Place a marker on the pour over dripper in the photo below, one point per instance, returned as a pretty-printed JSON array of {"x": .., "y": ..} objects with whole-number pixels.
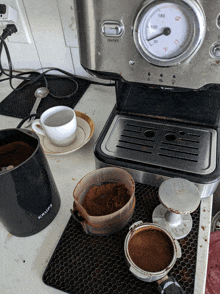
[{"x": 105, "y": 224}]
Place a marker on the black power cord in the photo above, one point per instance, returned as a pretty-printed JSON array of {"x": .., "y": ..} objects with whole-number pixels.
[
  {"x": 25, "y": 76},
  {"x": 26, "y": 118},
  {"x": 8, "y": 31}
]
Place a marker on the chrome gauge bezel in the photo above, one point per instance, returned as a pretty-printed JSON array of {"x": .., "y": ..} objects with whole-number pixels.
[{"x": 199, "y": 29}]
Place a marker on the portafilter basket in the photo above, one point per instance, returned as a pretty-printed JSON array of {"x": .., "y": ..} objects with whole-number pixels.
[{"x": 144, "y": 275}]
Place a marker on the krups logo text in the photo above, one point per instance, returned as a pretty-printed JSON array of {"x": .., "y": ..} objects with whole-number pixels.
[{"x": 45, "y": 212}]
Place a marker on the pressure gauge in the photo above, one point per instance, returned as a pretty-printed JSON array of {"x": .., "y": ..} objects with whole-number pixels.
[{"x": 168, "y": 32}]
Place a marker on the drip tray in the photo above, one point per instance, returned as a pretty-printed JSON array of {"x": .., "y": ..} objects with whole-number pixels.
[
  {"x": 174, "y": 146},
  {"x": 86, "y": 264}
]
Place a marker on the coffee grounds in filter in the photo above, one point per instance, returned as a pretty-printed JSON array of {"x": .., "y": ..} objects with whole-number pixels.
[{"x": 105, "y": 199}]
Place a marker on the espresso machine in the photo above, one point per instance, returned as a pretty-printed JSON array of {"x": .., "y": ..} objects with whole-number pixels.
[{"x": 164, "y": 56}]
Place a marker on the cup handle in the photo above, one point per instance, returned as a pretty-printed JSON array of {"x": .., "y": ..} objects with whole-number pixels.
[{"x": 36, "y": 126}]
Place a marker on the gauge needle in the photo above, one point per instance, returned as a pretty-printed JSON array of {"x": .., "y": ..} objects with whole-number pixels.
[{"x": 166, "y": 32}]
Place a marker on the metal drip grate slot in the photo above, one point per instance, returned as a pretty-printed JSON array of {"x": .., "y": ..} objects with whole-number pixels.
[
  {"x": 167, "y": 145},
  {"x": 86, "y": 264}
]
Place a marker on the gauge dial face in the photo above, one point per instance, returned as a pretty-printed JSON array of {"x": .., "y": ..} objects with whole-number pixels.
[{"x": 167, "y": 32}]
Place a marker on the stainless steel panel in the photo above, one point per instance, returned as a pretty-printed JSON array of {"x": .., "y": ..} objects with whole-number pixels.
[{"x": 120, "y": 55}]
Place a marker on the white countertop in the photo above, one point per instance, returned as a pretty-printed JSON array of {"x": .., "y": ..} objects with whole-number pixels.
[{"x": 24, "y": 260}]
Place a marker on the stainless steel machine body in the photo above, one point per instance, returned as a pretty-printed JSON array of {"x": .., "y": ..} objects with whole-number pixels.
[
  {"x": 110, "y": 41},
  {"x": 164, "y": 57}
]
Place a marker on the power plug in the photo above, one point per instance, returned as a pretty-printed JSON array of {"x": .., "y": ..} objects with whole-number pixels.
[{"x": 9, "y": 30}]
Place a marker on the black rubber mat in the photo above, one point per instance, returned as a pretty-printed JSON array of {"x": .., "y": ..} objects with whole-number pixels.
[
  {"x": 85, "y": 264},
  {"x": 19, "y": 103}
]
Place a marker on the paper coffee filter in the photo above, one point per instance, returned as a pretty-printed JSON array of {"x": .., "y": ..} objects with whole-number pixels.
[{"x": 97, "y": 178}]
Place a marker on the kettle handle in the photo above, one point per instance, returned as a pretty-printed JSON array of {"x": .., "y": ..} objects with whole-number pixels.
[{"x": 169, "y": 286}]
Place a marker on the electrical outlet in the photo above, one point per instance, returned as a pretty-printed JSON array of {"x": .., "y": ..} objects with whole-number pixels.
[
  {"x": 15, "y": 13},
  {"x": 7, "y": 13}
]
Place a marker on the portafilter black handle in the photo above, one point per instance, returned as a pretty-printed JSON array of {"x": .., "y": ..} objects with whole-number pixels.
[{"x": 170, "y": 286}]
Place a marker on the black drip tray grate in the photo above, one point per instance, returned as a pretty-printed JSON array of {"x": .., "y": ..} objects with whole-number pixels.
[
  {"x": 84, "y": 264},
  {"x": 170, "y": 145}
]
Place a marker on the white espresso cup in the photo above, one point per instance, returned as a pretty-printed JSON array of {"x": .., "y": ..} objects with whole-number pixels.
[{"x": 59, "y": 124}]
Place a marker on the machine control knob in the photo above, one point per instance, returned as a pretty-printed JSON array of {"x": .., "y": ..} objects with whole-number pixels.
[
  {"x": 215, "y": 50},
  {"x": 112, "y": 28}
]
